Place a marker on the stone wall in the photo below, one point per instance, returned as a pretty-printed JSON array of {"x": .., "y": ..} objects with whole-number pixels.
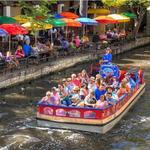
[{"x": 60, "y": 64}]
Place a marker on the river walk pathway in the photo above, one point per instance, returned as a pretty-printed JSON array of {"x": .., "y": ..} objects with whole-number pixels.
[{"x": 36, "y": 71}]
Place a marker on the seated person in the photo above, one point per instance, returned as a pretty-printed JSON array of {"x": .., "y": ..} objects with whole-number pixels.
[
  {"x": 101, "y": 103},
  {"x": 100, "y": 90},
  {"x": 110, "y": 99},
  {"x": 11, "y": 59},
  {"x": 19, "y": 52},
  {"x": 103, "y": 37},
  {"x": 75, "y": 97},
  {"x": 107, "y": 57},
  {"x": 65, "y": 45},
  {"x": 122, "y": 33},
  {"x": 75, "y": 80},
  {"x": 64, "y": 97},
  {"x": 83, "y": 91},
  {"x": 85, "y": 40},
  {"x": 77, "y": 41},
  {"x": 89, "y": 100},
  {"x": 130, "y": 82},
  {"x": 114, "y": 95},
  {"x": 27, "y": 49},
  {"x": 124, "y": 88},
  {"x": 48, "y": 99}
]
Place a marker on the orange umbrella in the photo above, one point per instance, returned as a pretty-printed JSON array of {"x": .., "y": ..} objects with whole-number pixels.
[
  {"x": 105, "y": 20},
  {"x": 71, "y": 22},
  {"x": 69, "y": 15}
]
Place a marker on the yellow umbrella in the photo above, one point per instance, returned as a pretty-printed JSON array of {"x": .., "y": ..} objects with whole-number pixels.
[
  {"x": 119, "y": 18},
  {"x": 36, "y": 27},
  {"x": 22, "y": 19}
]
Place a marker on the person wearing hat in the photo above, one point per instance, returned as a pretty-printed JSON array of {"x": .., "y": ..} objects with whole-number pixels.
[{"x": 107, "y": 57}]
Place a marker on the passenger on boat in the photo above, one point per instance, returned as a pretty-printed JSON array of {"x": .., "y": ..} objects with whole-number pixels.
[
  {"x": 83, "y": 91},
  {"x": 49, "y": 98},
  {"x": 101, "y": 103},
  {"x": 124, "y": 88},
  {"x": 109, "y": 79},
  {"x": 91, "y": 84},
  {"x": 84, "y": 76},
  {"x": 115, "y": 83},
  {"x": 98, "y": 76},
  {"x": 97, "y": 82},
  {"x": 114, "y": 95},
  {"x": 56, "y": 95},
  {"x": 107, "y": 57},
  {"x": 75, "y": 80},
  {"x": 64, "y": 98},
  {"x": 110, "y": 99},
  {"x": 75, "y": 97},
  {"x": 131, "y": 83},
  {"x": 70, "y": 85},
  {"x": 65, "y": 85},
  {"x": 88, "y": 101},
  {"x": 101, "y": 90},
  {"x": 122, "y": 75}
]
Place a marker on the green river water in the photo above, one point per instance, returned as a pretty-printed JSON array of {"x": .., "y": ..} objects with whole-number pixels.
[{"x": 19, "y": 131}]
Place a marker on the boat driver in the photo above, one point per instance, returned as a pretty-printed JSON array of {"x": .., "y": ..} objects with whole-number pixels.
[{"x": 107, "y": 57}]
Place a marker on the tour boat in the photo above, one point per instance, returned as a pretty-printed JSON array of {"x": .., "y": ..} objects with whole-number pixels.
[{"x": 89, "y": 119}]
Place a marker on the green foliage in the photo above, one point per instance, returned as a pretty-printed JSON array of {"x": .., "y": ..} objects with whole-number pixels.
[
  {"x": 36, "y": 13},
  {"x": 131, "y": 3},
  {"x": 136, "y": 3},
  {"x": 114, "y": 3}
]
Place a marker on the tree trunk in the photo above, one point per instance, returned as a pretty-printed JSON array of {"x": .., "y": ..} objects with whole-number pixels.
[{"x": 138, "y": 24}]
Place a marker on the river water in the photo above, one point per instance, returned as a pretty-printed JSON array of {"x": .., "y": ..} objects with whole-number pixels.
[{"x": 18, "y": 128}]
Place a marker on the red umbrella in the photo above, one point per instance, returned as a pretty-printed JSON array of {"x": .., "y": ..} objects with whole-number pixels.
[
  {"x": 14, "y": 29},
  {"x": 69, "y": 15}
]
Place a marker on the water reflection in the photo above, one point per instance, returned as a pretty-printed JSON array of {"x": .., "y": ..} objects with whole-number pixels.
[{"x": 18, "y": 128}]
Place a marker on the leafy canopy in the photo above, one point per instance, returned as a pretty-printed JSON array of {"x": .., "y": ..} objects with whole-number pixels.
[{"x": 131, "y": 3}]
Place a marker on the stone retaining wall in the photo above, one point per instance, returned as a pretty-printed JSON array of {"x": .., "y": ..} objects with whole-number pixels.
[{"x": 38, "y": 71}]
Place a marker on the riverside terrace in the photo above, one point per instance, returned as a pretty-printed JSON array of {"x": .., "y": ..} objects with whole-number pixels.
[{"x": 33, "y": 68}]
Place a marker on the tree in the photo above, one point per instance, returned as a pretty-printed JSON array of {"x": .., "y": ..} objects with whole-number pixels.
[
  {"x": 36, "y": 13},
  {"x": 138, "y": 7}
]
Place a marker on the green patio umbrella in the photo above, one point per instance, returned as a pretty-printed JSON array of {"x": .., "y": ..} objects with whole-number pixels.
[
  {"x": 56, "y": 22},
  {"x": 7, "y": 20},
  {"x": 130, "y": 15}
]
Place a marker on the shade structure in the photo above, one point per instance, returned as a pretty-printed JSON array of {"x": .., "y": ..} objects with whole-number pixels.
[
  {"x": 14, "y": 29},
  {"x": 87, "y": 21},
  {"x": 55, "y": 22},
  {"x": 71, "y": 22},
  {"x": 22, "y": 19},
  {"x": 57, "y": 16},
  {"x": 119, "y": 18},
  {"x": 7, "y": 20},
  {"x": 129, "y": 14},
  {"x": 3, "y": 32},
  {"x": 69, "y": 15},
  {"x": 36, "y": 27},
  {"x": 105, "y": 20}
]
